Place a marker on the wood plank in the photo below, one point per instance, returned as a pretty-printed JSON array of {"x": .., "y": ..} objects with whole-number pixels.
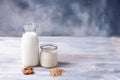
[{"x": 86, "y": 58}]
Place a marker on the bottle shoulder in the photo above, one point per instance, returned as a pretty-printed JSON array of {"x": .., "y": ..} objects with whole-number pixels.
[{"x": 30, "y": 34}]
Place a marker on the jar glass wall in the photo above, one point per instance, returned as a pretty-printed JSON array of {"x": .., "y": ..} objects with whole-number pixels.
[{"x": 48, "y": 55}]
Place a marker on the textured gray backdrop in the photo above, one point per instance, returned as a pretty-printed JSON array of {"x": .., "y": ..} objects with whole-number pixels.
[{"x": 61, "y": 17}]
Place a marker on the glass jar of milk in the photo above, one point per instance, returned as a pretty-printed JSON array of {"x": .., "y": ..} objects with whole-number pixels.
[
  {"x": 30, "y": 46},
  {"x": 48, "y": 55}
]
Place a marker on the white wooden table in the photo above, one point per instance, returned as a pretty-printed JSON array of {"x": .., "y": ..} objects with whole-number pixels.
[{"x": 82, "y": 58}]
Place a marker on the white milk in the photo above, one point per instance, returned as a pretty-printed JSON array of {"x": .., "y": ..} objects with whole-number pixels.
[
  {"x": 48, "y": 56},
  {"x": 30, "y": 49}
]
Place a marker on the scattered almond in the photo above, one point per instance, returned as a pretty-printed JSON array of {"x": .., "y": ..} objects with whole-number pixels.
[
  {"x": 27, "y": 70},
  {"x": 56, "y": 72}
]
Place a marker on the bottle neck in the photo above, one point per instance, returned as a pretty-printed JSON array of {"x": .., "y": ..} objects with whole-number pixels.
[{"x": 30, "y": 27}]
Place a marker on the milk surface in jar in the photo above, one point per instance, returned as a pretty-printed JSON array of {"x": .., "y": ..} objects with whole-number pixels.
[
  {"x": 30, "y": 46},
  {"x": 48, "y": 55}
]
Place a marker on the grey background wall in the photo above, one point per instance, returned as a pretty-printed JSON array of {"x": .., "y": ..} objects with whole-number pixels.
[{"x": 61, "y": 17}]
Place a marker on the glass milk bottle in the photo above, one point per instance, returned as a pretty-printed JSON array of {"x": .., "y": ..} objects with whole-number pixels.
[
  {"x": 48, "y": 55},
  {"x": 30, "y": 46}
]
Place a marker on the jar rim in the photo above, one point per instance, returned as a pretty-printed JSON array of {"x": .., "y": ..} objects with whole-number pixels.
[{"x": 49, "y": 46}]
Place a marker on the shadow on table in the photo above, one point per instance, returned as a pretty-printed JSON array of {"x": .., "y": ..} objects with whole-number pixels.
[{"x": 63, "y": 64}]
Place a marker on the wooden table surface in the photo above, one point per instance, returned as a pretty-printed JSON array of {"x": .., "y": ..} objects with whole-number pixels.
[{"x": 82, "y": 58}]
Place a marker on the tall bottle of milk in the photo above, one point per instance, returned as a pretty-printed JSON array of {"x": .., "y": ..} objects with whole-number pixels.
[{"x": 30, "y": 46}]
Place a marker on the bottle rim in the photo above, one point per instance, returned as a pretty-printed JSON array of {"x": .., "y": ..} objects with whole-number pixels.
[{"x": 29, "y": 27}]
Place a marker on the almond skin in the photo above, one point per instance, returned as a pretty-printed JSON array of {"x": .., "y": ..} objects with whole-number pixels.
[{"x": 27, "y": 70}]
